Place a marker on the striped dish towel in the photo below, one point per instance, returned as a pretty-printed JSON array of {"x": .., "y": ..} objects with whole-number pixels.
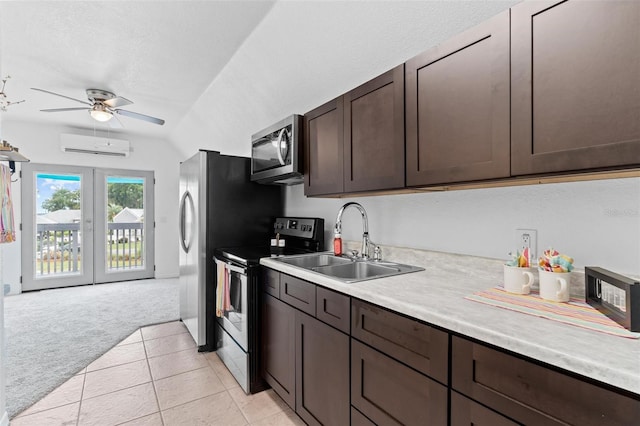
[
  {"x": 220, "y": 287},
  {"x": 575, "y": 312}
]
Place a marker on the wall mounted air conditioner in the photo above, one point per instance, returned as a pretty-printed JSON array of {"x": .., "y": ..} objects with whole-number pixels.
[{"x": 94, "y": 145}]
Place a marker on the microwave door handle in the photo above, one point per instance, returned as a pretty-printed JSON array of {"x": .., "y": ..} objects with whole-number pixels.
[{"x": 279, "y": 147}]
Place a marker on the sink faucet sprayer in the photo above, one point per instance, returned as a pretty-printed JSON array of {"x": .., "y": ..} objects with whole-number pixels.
[{"x": 337, "y": 241}]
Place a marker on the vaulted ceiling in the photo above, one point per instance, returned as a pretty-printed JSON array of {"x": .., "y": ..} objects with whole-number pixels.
[
  {"x": 161, "y": 55},
  {"x": 216, "y": 71}
]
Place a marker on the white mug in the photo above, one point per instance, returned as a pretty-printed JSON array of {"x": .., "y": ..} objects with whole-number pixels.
[
  {"x": 517, "y": 280},
  {"x": 554, "y": 286}
]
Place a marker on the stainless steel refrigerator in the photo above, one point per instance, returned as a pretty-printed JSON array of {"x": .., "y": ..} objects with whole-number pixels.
[{"x": 219, "y": 207}]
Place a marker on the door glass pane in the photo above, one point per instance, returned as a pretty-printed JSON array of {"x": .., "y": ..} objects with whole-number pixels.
[
  {"x": 58, "y": 236},
  {"x": 125, "y": 237}
]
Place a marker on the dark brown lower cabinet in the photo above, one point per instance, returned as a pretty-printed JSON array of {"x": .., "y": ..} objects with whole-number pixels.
[
  {"x": 420, "y": 346},
  {"x": 322, "y": 372},
  {"x": 390, "y": 393},
  {"x": 278, "y": 331},
  {"x": 533, "y": 394},
  {"x": 465, "y": 412},
  {"x": 387, "y": 369}
]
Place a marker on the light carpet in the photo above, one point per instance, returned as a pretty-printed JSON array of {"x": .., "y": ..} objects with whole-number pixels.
[{"x": 53, "y": 334}]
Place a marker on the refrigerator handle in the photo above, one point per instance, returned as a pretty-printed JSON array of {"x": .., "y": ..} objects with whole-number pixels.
[{"x": 183, "y": 225}]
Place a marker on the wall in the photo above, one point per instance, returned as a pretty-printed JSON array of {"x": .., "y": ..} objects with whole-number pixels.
[
  {"x": 4, "y": 416},
  {"x": 40, "y": 143},
  {"x": 282, "y": 69},
  {"x": 597, "y": 222}
]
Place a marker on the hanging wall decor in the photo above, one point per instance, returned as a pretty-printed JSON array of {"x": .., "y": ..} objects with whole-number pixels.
[{"x": 7, "y": 225}]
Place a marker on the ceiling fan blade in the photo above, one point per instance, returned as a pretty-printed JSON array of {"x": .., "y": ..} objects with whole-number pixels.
[
  {"x": 140, "y": 116},
  {"x": 65, "y": 109},
  {"x": 116, "y": 102},
  {"x": 114, "y": 123},
  {"x": 62, "y": 96}
]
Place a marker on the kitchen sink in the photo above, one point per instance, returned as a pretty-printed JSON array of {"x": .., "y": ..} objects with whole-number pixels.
[
  {"x": 314, "y": 260},
  {"x": 347, "y": 270}
]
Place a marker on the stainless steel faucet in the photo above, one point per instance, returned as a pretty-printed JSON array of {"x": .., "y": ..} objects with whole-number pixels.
[{"x": 365, "y": 227}]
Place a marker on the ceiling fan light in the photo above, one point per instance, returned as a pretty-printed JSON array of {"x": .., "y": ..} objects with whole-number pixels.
[{"x": 100, "y": 114}]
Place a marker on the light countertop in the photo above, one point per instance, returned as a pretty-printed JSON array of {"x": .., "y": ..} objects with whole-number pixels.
[{"x": 437, "y": 296}]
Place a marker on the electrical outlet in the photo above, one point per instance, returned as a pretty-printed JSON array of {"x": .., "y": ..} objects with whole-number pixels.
[{"x": 527, "y": 238}]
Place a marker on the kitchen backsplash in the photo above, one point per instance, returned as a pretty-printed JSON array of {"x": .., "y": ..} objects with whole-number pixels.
[{"x": 597, "y": 223}]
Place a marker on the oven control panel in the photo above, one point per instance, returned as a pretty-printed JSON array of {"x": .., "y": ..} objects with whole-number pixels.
[{"x": 302, "y": 227}]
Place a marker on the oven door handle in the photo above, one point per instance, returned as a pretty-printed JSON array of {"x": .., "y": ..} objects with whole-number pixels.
[{"x": 233, "y": 268}]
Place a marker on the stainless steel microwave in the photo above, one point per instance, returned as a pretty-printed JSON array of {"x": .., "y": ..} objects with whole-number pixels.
[{"x": 275, "y": 153}]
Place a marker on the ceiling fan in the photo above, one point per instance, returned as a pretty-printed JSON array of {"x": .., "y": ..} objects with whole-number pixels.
[{"x": 102, "y": 106}]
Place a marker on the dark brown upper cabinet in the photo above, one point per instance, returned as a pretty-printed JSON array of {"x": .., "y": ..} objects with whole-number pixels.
[
  {"x": 355, "y": 143},
  {"x": 323, "y": 149},
  {"x": 575, "y": 82},
  {"x": 374, "y": 134},
  {"x": 457, "y": 107}
]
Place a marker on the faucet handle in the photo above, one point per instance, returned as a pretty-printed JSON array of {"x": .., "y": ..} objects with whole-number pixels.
[
  {"x": 354, "y": 253},
  {"x": 377, "y": 253}
]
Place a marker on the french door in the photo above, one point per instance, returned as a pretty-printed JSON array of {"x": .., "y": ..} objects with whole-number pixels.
[{"x": 85, "y": 225}]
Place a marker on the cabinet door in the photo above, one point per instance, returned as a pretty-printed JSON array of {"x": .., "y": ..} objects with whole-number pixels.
[
  {"x": 359, "y": 419},
  {"x": 575, "y": 85},
  {"x": 374, "y": 134},
  {"x": 278, "y": 331},
  {"x": 532, "y": 394},
  {"x": 457, "y": 99},
  {"x": 465, "y": 412},
  {"x": 322, "y": 372},
  {"x": 390, "y": 393},
  {"x": 323, "y": 149}
]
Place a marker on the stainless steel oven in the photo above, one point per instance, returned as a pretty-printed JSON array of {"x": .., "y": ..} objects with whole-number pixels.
[
  {"x": 275, "y": 153},
  {"x": 239, "y": 304},
  {"x": 235, "y": 315},
  {"x": 232, "y": 317}
]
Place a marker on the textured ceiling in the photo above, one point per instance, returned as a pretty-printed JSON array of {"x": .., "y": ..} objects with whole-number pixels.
[{"x": 161, "y": 55}]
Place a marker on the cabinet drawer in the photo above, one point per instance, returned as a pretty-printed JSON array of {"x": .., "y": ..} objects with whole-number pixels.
[
  {"x": 298, "y": 293},
  {"x": 388, "y": 392},
  {"x": 418, "y": 345},
  {"x": 271, "y": 282},
  {"x": 333, "y": 308},
  {"x": 465, "y": 412},
  {"x": 532, "y": 394}
]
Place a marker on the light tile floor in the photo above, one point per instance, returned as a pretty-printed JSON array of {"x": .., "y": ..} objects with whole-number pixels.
[{"x": 156, "y": 376}]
